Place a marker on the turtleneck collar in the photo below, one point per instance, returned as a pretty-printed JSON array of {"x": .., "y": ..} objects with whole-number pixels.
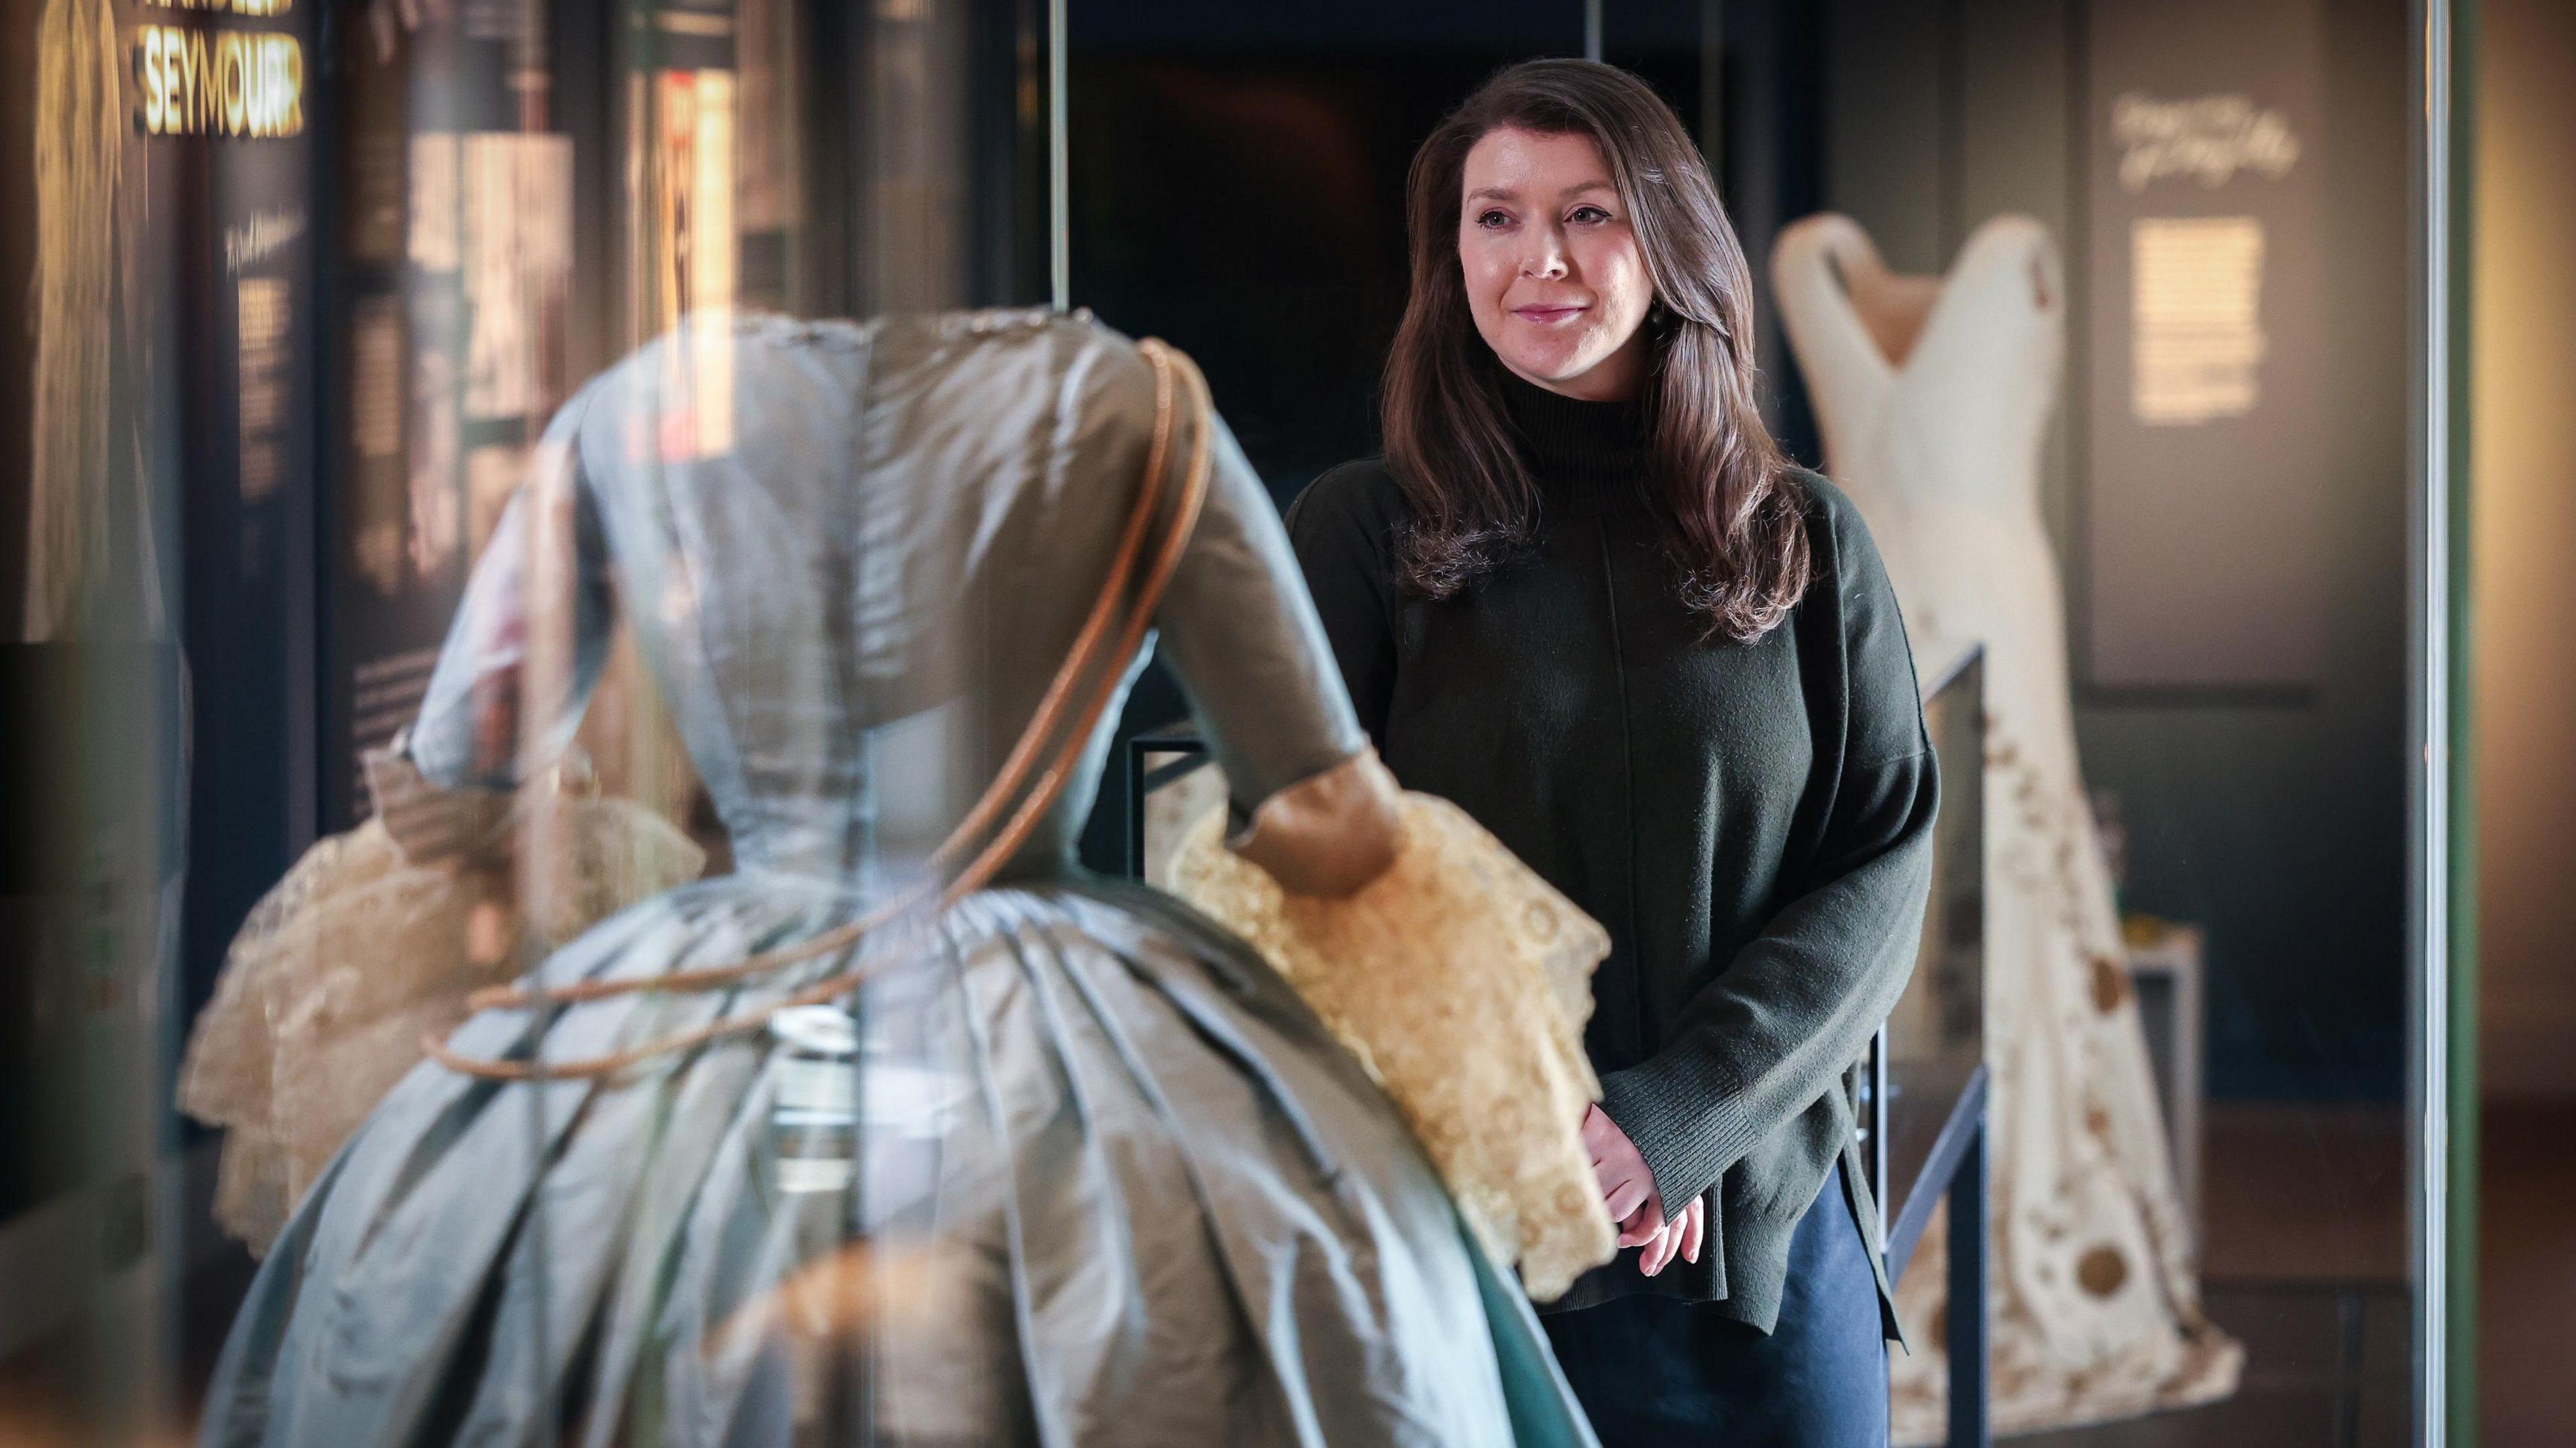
[{"x": 1570, "y": 441}]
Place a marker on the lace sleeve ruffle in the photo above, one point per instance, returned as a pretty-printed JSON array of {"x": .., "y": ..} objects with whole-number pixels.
[
  {"x": 362, "y": 950},
  {"x": 1462, "y": 981}
]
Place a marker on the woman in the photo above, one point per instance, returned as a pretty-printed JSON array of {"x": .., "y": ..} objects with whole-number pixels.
[
  {"x": 1584, "y": 597},
  {"x": 1113, "y": 1183}
]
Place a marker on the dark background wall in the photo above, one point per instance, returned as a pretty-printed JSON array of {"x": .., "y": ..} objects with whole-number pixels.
[{"x": 1238, "y": 189}]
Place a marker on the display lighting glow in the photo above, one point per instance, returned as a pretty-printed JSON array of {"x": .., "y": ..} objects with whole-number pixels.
[{"x": 223, "y": 83}]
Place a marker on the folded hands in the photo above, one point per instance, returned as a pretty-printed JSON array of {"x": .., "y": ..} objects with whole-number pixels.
[{"x": 1628, "y": 1190}]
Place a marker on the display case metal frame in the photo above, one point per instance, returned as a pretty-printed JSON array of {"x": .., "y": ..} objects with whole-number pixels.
[{"x": 2441, "y": 824}]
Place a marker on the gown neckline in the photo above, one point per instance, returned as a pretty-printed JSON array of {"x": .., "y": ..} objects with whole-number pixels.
[{"x": 1848, "y": 242}]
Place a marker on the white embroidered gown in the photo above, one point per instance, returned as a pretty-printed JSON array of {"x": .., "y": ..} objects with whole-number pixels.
[{"x": 1933, "y": 395}]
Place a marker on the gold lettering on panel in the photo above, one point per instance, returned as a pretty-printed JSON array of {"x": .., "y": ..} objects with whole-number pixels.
[{"x": 234, "y": 83}]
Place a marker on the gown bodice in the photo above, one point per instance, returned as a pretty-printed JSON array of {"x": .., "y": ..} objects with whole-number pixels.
[
  {"x": 854, "y": 609},
  {"x": 1933, "y": 389},
  {"x": 1933, "y": 395}
]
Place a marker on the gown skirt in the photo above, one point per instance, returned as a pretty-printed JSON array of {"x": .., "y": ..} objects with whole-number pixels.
[{"x": 1114, "y": 1182}]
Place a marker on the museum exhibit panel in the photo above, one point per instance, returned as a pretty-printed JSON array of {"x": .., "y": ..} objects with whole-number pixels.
[{"x": 517, "y": 491}]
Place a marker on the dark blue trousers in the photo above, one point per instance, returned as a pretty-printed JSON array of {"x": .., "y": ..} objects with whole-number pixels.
[{"x": 1654, "y": 1371}]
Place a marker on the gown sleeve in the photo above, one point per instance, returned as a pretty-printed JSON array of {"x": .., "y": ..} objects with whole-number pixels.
[
  {"x": 1318, "y": 811},
  {"x": 532, "y": 634}
]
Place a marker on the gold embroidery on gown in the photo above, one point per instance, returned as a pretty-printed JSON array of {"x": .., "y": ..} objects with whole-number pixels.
[{"x": 1462, "y": 981}]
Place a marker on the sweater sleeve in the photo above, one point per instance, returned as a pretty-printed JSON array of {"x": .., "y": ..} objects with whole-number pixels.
[
  {"x": 1345, "y": 545},
  {"x": 1797, "y": 1005}
]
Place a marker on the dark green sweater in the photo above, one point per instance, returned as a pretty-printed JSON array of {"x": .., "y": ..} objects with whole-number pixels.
[{"x": 1752, "y": 822}]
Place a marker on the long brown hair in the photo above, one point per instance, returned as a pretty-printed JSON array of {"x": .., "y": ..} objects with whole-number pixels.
[{"x": 1731, "y": 515}]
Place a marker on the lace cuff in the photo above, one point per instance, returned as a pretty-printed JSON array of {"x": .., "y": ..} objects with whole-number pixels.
[{"x": 1462, "y": 981}]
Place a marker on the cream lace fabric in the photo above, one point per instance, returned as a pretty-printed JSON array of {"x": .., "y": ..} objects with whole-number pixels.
[
  {"x": 1462, "y": 981},
  {"x": 361, "y": 950}
]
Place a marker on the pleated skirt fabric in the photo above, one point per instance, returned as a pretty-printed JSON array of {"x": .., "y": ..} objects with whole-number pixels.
[{"x": 1113, "y": 1182}]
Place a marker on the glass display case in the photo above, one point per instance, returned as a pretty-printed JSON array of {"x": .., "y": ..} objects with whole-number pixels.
[{"x": 2146, "y": 391}]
